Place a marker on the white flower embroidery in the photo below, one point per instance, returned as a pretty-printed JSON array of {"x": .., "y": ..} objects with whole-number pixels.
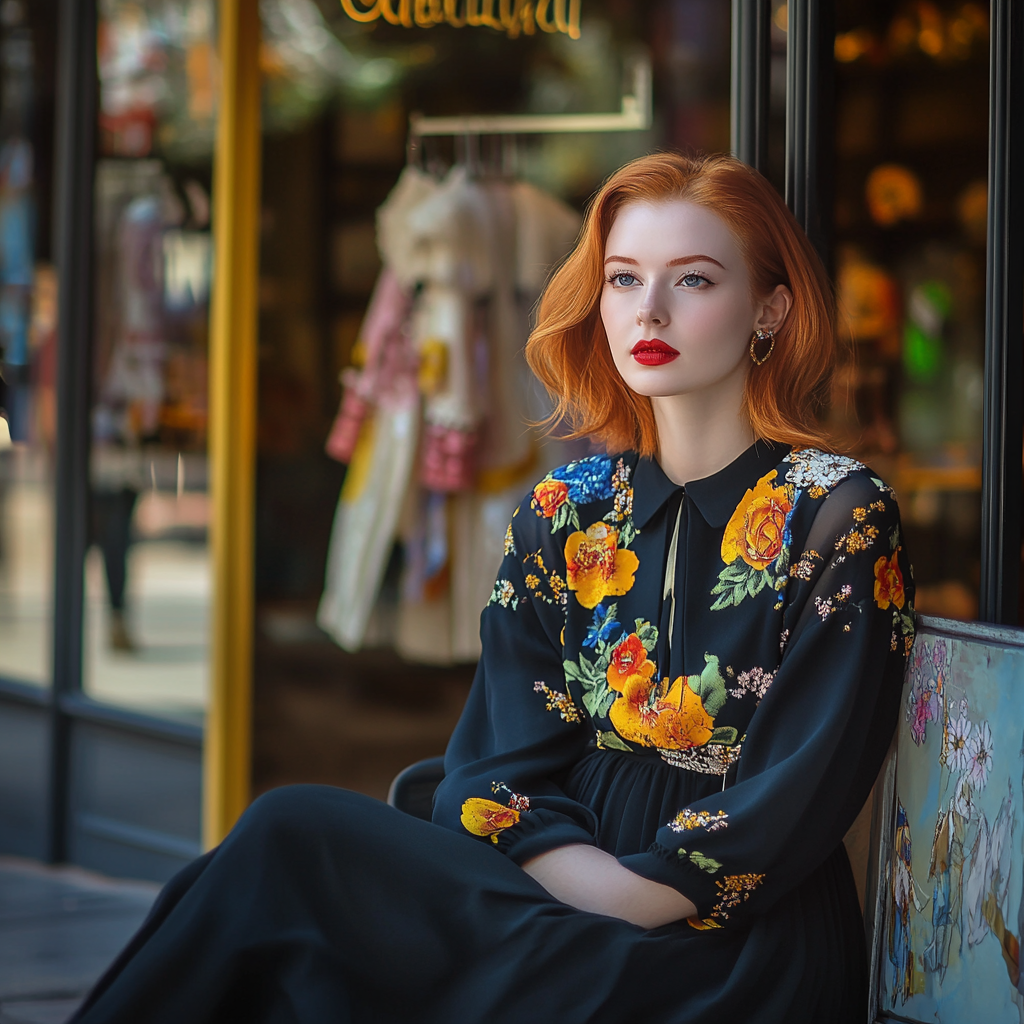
[
  {"x": 813, "y": 468},
  {"x": 755, "y": 681}
]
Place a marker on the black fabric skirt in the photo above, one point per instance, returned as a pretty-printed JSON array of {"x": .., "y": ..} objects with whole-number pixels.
[{"x": 328, "y": 907}]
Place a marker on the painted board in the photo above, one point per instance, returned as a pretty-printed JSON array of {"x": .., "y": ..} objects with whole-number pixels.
[{"x": 950, "y": 910}]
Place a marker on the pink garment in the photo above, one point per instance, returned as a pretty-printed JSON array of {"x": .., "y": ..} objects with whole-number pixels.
[
  {"x": 388, "y": 377},
  {"x": 448, "y": 459}
]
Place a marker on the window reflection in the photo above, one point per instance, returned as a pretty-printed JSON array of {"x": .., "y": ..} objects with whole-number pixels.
[
  {"x": 147, "y": 572},
  {"x": 911, "y": 141},
  {"x": 28, "y": 296}
]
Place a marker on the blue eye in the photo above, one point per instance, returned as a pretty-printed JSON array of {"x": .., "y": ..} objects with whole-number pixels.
[
  {"x": 693, "y": 280},
  {"x": 624, "y": 280}
]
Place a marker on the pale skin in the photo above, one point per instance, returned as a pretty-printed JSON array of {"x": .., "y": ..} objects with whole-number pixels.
[{"x": 673, "y": 272}]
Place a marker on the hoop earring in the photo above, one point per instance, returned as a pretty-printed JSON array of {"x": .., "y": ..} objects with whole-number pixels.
[{"x": 758, "y": 336}]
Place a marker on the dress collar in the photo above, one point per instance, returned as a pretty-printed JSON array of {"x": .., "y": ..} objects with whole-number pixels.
[{"x": 715, "y": 496}]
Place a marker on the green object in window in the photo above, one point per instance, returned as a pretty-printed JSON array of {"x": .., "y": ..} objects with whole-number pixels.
[{"x": 922, "y": 354}]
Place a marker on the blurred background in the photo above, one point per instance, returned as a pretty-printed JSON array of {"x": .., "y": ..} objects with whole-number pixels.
[{"x": 348, "y": 704}]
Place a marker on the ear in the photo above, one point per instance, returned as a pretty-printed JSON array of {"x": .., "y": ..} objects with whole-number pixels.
[{"x": 771, "y": 313}]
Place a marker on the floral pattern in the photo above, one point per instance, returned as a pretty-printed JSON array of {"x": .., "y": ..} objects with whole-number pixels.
[
  {"x": 596, "y": 567},
  {"x": 558, "y": 496},
  {"x": 558, "y": 701},
  {"x": 754, "y": 547},
  {"x": 687, "y": 820},
  {"x": 609, "y": 650},
  {"x": 483, "y": 817},
  {"x": 817, "y": 471},
  {"x": 889, "y": 582},
  {"x": 733, "y": 891}
]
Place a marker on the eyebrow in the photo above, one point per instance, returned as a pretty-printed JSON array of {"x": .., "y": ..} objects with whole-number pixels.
[{"x": 697, "y": 258}]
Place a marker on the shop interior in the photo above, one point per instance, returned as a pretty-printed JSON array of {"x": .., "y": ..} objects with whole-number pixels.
[{"x": 428, "y": 446}]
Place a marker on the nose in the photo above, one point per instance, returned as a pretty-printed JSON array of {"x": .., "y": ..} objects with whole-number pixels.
[{"x": 651, "y": 311}]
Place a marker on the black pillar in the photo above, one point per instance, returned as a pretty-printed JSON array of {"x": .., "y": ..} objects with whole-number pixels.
[
  {"x": 1004, "y": 321},
  {"x": 810, "y": 93},
  {"x": 751, "y": 80},
  {"x": 77, "y": 89}
]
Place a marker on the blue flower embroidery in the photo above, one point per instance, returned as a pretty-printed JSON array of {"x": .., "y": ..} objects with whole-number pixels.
[
  {"x": 588, "y": 480},
  {"x": 602, "y": 625}
]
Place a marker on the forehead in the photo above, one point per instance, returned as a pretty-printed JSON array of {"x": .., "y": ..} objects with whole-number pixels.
[{"x": 670, "y": 228}]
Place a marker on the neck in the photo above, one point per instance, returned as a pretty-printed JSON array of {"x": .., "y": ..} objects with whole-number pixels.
[{"x": 700, "y": 433}]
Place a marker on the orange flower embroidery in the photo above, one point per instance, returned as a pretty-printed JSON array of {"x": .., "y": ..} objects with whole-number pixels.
[
  {"x": 629, "y": 658},
  {"x": 755, "y": 531},
  {"x": 487, "y": 817},
  {"x": 550, "y": 496},
  {"x": 889, "y": 582},
  {"x": 670, "y": 717},
  {"x": 595, "y": 567}
]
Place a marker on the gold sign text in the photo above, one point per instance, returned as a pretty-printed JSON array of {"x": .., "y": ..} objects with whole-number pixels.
[{"x": 509, "y": 16}]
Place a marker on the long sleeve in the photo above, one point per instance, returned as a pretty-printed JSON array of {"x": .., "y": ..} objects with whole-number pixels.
[
  {"x": 819, "y": 735},
  {"x": 520, "y": 731}
]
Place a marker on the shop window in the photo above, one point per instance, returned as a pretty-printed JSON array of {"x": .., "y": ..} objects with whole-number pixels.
[
  {"x": 147, "y": 570},
  {"x": 28, "y": 322},
  {"x": 335, "y": 144},
  {"x": 909, "y": 261}
]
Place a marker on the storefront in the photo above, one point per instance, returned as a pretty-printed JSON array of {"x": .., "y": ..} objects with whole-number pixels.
[{"x": 166, "y": 506}]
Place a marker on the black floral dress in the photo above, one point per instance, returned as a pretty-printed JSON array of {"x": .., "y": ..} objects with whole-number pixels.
[{"x": 700, "y": 680}]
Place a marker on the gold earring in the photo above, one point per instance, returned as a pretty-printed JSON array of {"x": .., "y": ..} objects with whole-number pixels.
[{"x": 758, "y": 336}]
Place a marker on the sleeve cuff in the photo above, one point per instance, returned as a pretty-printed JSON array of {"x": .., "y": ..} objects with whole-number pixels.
[
  {"x": 538, "y": 832},
  {"x": 666, "y": 867}
]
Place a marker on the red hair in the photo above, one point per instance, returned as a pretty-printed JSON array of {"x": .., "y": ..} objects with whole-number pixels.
[{"x": 568, "y": 349}]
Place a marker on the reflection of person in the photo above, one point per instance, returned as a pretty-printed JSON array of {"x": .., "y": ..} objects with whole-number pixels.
[
  {"x": 722, "y": 605},
  {"x": 132, "y": 392}
]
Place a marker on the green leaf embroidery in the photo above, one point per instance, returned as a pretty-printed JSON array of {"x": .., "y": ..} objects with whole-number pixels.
[
  {"x": 724, "y": 734},
  {"x": 627, "y": 534},
  {"x": 609, "y": 698},
  {"x": 709, "y": 686},
  {"x": 561, "y": 516},
  {"x": 647, "y": 633},
  {"x": 612, "y": 741},
  {"x": 708, "y": 864}
]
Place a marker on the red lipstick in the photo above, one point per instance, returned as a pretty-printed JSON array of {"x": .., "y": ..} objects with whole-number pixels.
[{"x": 653, "y": 353}]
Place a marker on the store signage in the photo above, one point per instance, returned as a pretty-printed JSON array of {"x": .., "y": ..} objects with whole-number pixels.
[{"x": 513, "y": 17}]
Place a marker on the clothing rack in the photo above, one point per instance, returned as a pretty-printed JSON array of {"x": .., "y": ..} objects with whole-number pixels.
[{"x": 635, "y": 115}]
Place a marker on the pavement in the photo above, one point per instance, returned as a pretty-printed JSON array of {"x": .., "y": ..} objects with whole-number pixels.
[{"x": 59, "y": 928}]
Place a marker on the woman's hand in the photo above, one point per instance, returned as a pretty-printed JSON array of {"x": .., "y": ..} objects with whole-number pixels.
[{"x": 589, "y": 879}]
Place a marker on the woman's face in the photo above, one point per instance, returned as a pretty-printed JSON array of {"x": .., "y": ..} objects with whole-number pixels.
[{"x": 676, "y": 302}]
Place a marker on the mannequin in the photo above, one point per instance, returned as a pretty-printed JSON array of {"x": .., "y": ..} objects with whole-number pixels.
[{"x": 691, "y": 671}]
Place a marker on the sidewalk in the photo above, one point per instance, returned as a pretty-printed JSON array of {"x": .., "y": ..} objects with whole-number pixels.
[{"x": 59, "y": 928}]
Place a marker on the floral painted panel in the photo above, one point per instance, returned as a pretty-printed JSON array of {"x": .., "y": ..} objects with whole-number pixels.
[{"x": 952, "y": 888}]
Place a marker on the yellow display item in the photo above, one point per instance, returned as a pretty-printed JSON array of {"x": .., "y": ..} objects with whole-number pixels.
[
  {"x": 233, "y": 354},
  {"x": 433, "y": 371}
]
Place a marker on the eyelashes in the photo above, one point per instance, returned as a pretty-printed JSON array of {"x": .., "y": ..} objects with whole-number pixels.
[{"x": 615, "y": 278}]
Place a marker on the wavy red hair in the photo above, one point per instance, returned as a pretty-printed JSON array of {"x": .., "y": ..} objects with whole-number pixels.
[{"x": 568, "y": 349}]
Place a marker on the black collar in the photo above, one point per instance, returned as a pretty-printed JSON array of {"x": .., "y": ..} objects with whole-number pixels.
[{"x": 715, "y": 496}]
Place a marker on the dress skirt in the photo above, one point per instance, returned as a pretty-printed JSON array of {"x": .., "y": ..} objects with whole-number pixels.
[{"x": 327, "y": 907}]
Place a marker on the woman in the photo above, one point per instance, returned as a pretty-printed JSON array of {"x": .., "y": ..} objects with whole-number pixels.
[{"x": 692, "y": 664}]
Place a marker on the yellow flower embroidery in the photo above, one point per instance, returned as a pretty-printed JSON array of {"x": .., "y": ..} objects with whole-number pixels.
[
  {"x": 595, "y": 567},
  {"x": 687, "y": 820},
  {"x": 670, "y": 717},
  {"x": 488, "y": 818},
  {"x": 558, "y": 701},
  {"x": 755, "y": 531},
  {"x": 734, "y": 890},
  {"x": 889, "y": 582}
]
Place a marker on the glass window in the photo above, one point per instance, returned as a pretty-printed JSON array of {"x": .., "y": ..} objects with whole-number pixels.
[
  {"x": 147, "y": 570},
  {"x": 28, "y": 310},
  {"x": 911, "y": 165}
]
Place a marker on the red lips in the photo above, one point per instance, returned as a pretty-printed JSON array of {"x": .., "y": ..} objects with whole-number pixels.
[{"x": 653, "y": 353}]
